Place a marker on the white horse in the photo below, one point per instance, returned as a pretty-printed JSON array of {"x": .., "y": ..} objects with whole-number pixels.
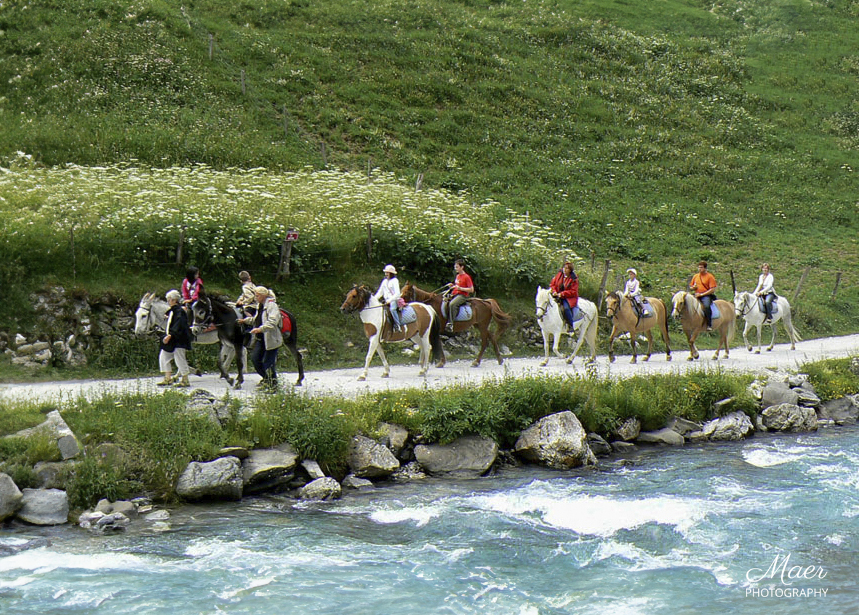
[
  {"x": 424, "y": 331},
  {"x": 151, "y": 316},
  {"x": 552, "y": 323},
  {"x": 746, "y": 305}
]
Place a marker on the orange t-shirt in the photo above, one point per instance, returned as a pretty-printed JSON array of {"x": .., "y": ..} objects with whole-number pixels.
[{"x": 702, "y": 282}]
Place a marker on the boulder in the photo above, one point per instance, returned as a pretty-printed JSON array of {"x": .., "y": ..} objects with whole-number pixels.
[
  {"x": 629, "y": 430},
  {"x": 44, "y": 507},
  {"x": 101, "y": 523},
  {"x": 666, "y": 435},
  {"x": 683, "y": 426},
  {"x": 789, "y": 417},
  {"x": 409, "y": 472},
  {"x": 842, "y": 411},
  {"x": 733, "y": 426},
  {"x": 128, "y": 509},
  {"x": 466, "y": 456},
  {"x": 10, "y": 497},
  {"x": 203, "y": 403},
  {"x": 312, "y": 468},
  {"x": 234, "y": 451},
  {"x": 53, "y": 474},
  {"x": 619, "y": 446},
  {"x": 269, "y": 469},
  {"x": 220, "y": 479},
  {"x": 325, "y": 488},
  {"x": 807, "y": 397},
  {"x": 394, "y": 437},
  {"x": 57, "y": 429},
  {"x": 557, "y": 441},
  {"x": 598, "y": 445},
  {"x": 353, "y": 482},
  {"x": 369, "y": 459},
  {"x": 776, "y": 393}
]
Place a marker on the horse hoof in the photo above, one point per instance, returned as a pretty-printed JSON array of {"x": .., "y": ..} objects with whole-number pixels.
[
  {"x": 386, "y": 375},
  {"x": 750, "y": 348},
  {"x": 757, "y": 352},
  {"x": 634, "y": 360},
  {"x": 569, "y": 361},
  {"x": 647, "y": 358},
  {"x": 668, "y": 358},
  {"x": 475, "y": 364},
  {"x": 611, "y": 359},
  {"x": 770, "y": 349},
  {"x": 238, "y": 386},
  {"x": 298, "y": 384},
  {"x": 690, "y": 358},
  {"x": 500, "y": 361},
  {"x": 362, "y": 378},
  {"x": 230, "y": 381},
  {"x": 544, "y": 363}
]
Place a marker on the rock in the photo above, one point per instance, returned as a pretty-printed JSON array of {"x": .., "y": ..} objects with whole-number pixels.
[
  {"x": 557, "y": 441},
  {"x": 101, "y": 523},
  {"x": 696, "y": 436},
  {"x": 158, "y": 515},
  {"x": 32, "y": 349},
  {"x": 665, "y": 435},
  {"x": 11, "y": 498},
  {"x": 44, "y": 507},
  {"x": 598, "y": 445},
  {"x": 111, "y": 454},
  {"x": 720, "y": 408},
  {"x": 269, "y": 469},
  {"x": 807, "y": 397},
  {"x": 53, "y": 474},
  {"x": 842, "y": 411},
  {"x": 734, "y": 426},
  {"x": 466, "y": 456},
  {"x": 776, "y": 393},
  {"x": 797, "y": 380},
  {"x": 409, "y": 472},
  {"x": 234, "y": 451},
  {"x": 756, "y": 389},
  {"x": 20, "y": 340},
  {"x": 204, "y": 403},
  {"x": 353, "y": 482},
  {"x": 369, "y": 459},
  {"x": 55, "y": 428},
  {"x": 394, "y": 437},
  {"x": 620, "y": 446},
  {"x": 126, "y": 508},
  {"x": 218, "y": 479},
  {"x": 683, "y": 426},
  {"x": 325, "y": 488},
  {"x": 629, "y": 430},
  {"x": 312, "y": 468},
  {"x": 789, "y": 417}
]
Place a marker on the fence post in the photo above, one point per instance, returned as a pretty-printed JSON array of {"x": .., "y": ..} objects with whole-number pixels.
[
  {"x": 211, "y": 46},
  {"x": 285, "y": 124},
  {"x": 733, "y": 283},
  {"x": 602, "y": 284},
  {"x": 74, "y": 258},
  {"x": 368, "y": 170},
  {"x": 369, "y": 242},
  {"x": 324, "y": 151},
  {"x": 593, "y": 261},
  {"x": 419, "y": 182},
  {"x": 180, "y": 246},
  {"x": 799, "y": 286},
  {"x": 285, "y": 254},
  {"x": 837, "y": 282}
]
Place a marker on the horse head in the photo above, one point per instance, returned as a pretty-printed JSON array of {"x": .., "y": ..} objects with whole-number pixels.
[
  {"x": 542, "y": 300},
  {"x": 679, "y": 302},
  {"x": 742, "y": 303},
  {"x": 612, "y": 303},
  {"x": 408, "y": 292},
  {"x": 144, "y": 319},
  {"x": 356, "y": 299}
]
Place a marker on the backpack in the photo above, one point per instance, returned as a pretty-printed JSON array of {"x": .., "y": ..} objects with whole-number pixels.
[{"x": 285, "y": 321}]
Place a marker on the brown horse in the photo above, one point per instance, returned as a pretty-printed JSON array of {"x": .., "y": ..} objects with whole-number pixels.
[
  {"x": 691, "y": 314},
  {"x": 482, "y": 313},
  {"x": 624, "y": 318}
]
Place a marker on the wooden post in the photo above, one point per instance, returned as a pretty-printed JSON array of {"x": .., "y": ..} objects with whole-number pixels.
[
  {"x": 419, "y": 182},
  {"x": 211, "y": 46},
  {"x": 285, "y": 254},
  {"x": 324, "y": 151},
  {"x": 799, "y": 286},
  {"x": 285, "y": 124},
  {"x": 180, "y": 246},
  {"x": 619, "y": 280},
  {"x": 602, "y": 284},
  {"x": 368, "y": 170},
  {"x": 369, "y": 242},
  {"x": 593, "y": 261},
  {"x": 243, "y": 82},
  {"x": 837, "y": 282},
  {"x": 733, "y": 284},
  {"x": 74, "y": 260}
]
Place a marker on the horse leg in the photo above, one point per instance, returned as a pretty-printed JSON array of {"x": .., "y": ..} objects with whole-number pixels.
[
  {"x": 387, "y": 372},
  {"x": 693, "y": 352},
  {"x": 772, "y": 341},
  {"x": 632, "y": 343},
  {"x": 611, "y": 337},
  {"x": 649, "y": 336},
  {"x": 222, "y": 356},
  {"x": 374, "y": 344},
  {"x": 545, "y": 360},
  {"x": 423, "y": 341},
  {"x": 293, "y": 348},
  {"x": 494, "y": 341},
  {"x": 583, "y": 328},
  {"x": 746, "y": 328},
  {"x": 484, "y": 342}
]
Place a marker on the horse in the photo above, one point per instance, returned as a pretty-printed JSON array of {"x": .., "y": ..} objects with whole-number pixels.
[
  {"x": 691, "y": 314},
  {"x": 624, "y": 318},
  {"x": 225, "y": 317},
  {"x": 552, "y": 323},
  {"x": 746, "y": 305},
  {"x": 483, "y": 311},
  {"x": 424, "y": 331},
  {"x": 151, "y": 315}
]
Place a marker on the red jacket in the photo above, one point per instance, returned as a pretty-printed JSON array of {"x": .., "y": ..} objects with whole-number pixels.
[{"x": 566, "y": 287}]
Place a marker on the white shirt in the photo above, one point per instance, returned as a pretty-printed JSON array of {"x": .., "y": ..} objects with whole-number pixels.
[
  {"x": 389, "y": 290},
  {"x": 632, "y": 288},
  {"x": 765, "y": 284}
]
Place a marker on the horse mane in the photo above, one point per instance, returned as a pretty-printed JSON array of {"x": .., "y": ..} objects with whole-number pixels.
[{"x": 692, "y": 302}]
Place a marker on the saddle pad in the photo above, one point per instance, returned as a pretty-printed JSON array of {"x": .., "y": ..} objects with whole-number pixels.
[
  {"x": 714, "y": 311},
  {"x": 646, "y": 310},
  {"x": 463, "y": 314},
  {"x": 763, "y": 310},
  {"x": 407, "y": 315},
  {"x": 577, "y": 314}
]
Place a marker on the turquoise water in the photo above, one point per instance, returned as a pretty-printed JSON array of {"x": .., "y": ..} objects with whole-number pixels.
[{"x": 664, "y": 531}]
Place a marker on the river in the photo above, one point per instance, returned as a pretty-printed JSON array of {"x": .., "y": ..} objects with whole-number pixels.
[{"x": 663, "y": 530}]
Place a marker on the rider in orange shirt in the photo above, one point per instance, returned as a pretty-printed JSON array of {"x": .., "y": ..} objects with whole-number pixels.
[{"x": 704, "y": 286}]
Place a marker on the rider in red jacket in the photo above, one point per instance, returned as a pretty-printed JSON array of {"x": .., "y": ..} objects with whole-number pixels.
[{"x": 565, "y": 287}]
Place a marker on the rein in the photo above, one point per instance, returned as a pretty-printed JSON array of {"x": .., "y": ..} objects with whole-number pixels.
[{"x": 746, "y": 303}]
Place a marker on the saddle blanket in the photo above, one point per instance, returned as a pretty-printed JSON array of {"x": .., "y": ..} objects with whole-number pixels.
[
  {"x": 714, "y": 311},
  {"x": 646, "y": 310},
  {"x": 577, "y": 317},
  {"x": 763, "y": 309},
  {"x": 463, "y": 314},
  {"x": 407, "y": 315}
]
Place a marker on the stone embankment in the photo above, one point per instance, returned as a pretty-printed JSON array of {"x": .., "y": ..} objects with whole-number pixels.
[{"x": 788, "y": 403}]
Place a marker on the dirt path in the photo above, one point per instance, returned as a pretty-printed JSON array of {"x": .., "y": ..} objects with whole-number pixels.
[{"x": 343, "y": 382}]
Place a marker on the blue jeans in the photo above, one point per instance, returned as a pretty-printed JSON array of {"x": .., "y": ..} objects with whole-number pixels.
[
  {"x": 768, "y": 304},
  {"x": 706, "y": 303},
  {"x": 395, "y": 314},
  {"x": 264, "y": 360},
  {"x": 569, "y": 312}
]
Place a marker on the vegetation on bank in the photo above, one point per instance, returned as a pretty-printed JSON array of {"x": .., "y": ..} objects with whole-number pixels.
[{"x": 155, "y": 438}]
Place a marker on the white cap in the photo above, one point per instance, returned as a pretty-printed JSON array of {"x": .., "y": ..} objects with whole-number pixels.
[
  {"x": 631, "y": 270},
  {"x": 390, "y": 269}
]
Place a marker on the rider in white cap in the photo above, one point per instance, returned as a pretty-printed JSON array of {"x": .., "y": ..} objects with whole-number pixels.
[
  {"x": 632, "y": 291},
  {"x": 389, "y": 294}
]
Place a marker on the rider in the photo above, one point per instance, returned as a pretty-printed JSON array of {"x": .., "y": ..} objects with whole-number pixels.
[
  {"x": 192, "y": 286},
  {"x": 704, "y": 285},
  {"x": 565, "y": 289},
  {"x": 765, "y": 289},
  {"x": 389, "y": 294},
  {"x": 266, "y": 323},
  {"x": 460, "y": 289},
  {"x": 632, "y": 291},
  {"x": 175, "y": 342}
]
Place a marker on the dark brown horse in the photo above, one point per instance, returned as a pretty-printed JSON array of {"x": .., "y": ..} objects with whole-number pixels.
[{"x": 483, "y": 311}]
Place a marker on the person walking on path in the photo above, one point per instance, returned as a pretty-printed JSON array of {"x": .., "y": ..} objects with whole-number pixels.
[
  {"x": 267, "y": 329},
  {"x": 175, "y": 343}
]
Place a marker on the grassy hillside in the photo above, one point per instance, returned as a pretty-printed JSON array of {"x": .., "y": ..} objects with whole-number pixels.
[{"x": 651, "y": 134}]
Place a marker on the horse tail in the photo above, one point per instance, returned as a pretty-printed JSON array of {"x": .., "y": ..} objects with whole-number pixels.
[
  {"x": 732, "y": 328},
  {"x": 788, "y": 322},
  {"x": 435, "y": 338},
  {"x": 664, "y": 324},
  {"x": 292, "y": 338},
  {"x": 501, "y": 317},
  {"x": 591, "y": 333}
]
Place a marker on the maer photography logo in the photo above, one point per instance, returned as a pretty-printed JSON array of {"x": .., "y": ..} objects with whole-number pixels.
[{"x": 787, "y": 581}]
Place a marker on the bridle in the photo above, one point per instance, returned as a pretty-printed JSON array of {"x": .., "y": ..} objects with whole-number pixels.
[
  {"x": 544, "y": 308},
  {"x": 746, "y": 304},
  {"x": 611, "y": 312}
]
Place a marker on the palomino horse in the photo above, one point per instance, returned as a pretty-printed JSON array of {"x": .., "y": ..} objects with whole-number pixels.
[
  {"x": 691, "y": 314},
  {"x": 151, "y": 315},
  {"x": 624, "y": 318},
  {"x": 425, "y": 331},
  {"x": 746, "y": 305},
  {"x": 552, "y": 323},
  {"x": 225, "y": 317},
  {"x": 482, "y": 313}
]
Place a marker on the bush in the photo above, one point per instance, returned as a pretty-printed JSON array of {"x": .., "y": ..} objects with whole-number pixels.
[{"x": 832, "y": 378}]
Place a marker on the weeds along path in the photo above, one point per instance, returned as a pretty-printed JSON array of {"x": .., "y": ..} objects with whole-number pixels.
[{"x": 344, "y": 383}]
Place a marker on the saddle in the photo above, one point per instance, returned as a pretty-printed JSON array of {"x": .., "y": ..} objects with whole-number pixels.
[
  {"x": 762, "y": 308},
  {"x": 465, "y": 312}
]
